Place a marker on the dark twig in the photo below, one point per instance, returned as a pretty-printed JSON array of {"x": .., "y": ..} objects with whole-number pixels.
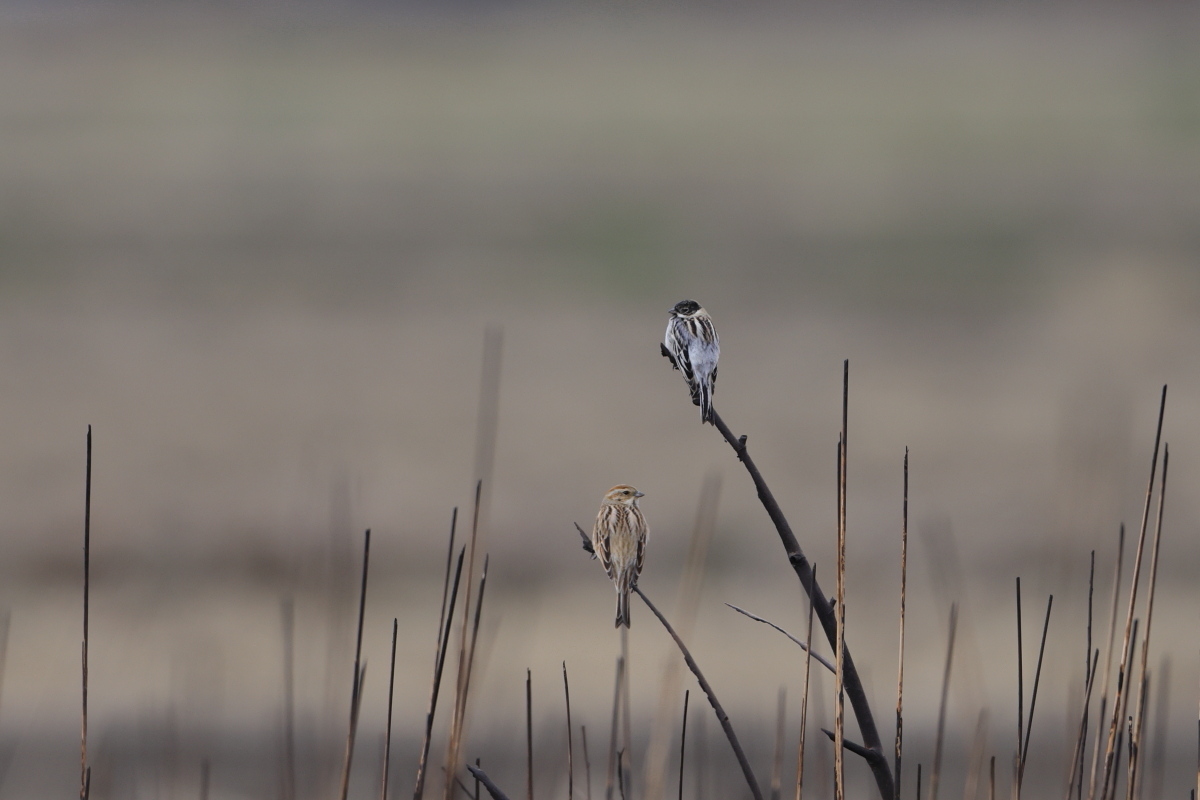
[
  {"x": 482, "y": 777},
  {"x": 387, "y": 737},
  {"x": 466, "y": 791},
  {"x": 1076, "y": 781},
  {"x": 683, "y": 740},
  {"x": 466, "y": 644},
  {"x": 1093, "y": 772},
  {"x": 722, "y": 717},
  {"x": 1037, "y": 677},
  {"x": 936, "y": 777},
  {"x": 529, "y": 733},
  {"x": 84, "y": 771},
  {"x": 900, "y": 669},
  {"x": 820, "y": 659},
  {"x": 570, "y": 739},
  {"x": 1020, "y": 689},
  {"x": 855, "y": 692},
  {"x": 839, "y": 695},
  {"x": 439, "y": 662},
  {"x": 853, "y": 747},
  {"x": 356, "y": 686}
]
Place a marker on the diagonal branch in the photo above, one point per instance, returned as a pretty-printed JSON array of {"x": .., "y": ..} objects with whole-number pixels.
[
  {"x": 722, "y": 717},
  {"x": 817, "y": 656},
  {"x": 853, "y": 683}
]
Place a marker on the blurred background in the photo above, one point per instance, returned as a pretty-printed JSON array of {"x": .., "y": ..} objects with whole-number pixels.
[{"x": 257, "y": 248}]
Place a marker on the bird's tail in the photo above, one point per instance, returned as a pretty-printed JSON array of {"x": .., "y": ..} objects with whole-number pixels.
[
  {"x": 622, "y": 607},
  {"x": 706, "y": 407}
]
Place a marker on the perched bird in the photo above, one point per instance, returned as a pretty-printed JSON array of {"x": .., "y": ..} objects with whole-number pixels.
[
  {"x": 619, "y": 539},
  {"x": 692, "y": 345}
]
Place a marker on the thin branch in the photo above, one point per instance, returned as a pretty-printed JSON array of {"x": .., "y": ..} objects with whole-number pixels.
[
  {"x": 529, "y": 733},
  {"x": 853, "y": 747},
  {"x": 722, "y": 717},
  {"x": 84, "y": 771},
  {"x": 439, "y": 663},
  {"x": 808, "y": 656},
  {"x": 1037, "y": 677},
  {"x": 570, "y": 739},
  {"x": 900, "y": 669},
  {"x": 482, "y": 777},
  {"x": 387, "y": 738},
  {"x": 855, "y": 692},
  {"x": 839, "y": 696},
  {"x": 817, "y": 656},
  {"x": 1020, "y": 691},
  {"x": 1108, "y": 653},
  {"x": 683, "y": 740}
]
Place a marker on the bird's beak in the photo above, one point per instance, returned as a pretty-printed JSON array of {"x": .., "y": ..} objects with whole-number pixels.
[{"x": 639, "y": 494}]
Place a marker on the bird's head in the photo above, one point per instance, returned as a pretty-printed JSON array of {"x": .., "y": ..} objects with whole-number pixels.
[
  {"x": 685, "y": 308},
  {"x": 623, "y": 495}
]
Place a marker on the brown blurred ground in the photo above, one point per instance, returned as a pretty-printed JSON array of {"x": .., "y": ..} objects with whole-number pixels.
[{"x": 257, "y": 251}]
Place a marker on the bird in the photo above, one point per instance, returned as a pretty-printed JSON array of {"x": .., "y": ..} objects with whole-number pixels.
[
  {"x": 693, "y": 348},
  {"x": 619, "y": 540}
]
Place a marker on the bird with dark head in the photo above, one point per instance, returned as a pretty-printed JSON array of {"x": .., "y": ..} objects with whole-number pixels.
[
  {"x": 693, "y": 348},
  {"x": 619, "y": 540}
]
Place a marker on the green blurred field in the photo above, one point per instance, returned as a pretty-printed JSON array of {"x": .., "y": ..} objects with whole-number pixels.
[{"x": 257, "y": 250}]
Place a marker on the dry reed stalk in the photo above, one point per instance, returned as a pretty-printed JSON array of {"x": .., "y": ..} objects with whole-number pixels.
[
  {"x": 1135, "y": 738},
  {"x": 777, "y": 763},
  {"x": 992, "y": 779},
  {"x": 1093, "y": 771},
  {"x": 438, "y": 663},
  {"x": 825, "y": 614},
  {"x": 683, "y": 740},
  {"x": 610, "y": 781},
  {"x": 570, "y": 738},
  {"x": 839, "y": 695},
  {"x": 722, "y": 717},
  {"x": 1121, "y": 700},
  {"x": 808, "y": 654},
  {"x": 900, "y": 670},
  {"x": 1114, "y": 760},
  {"x": 529, "y": 733},
  {"x": 387, "y": 737},
  {"x": 466, "y": 653},
  {"x": 975, "y": 765},
  {"x": 936, "y": 776},
  {"x": 84, "y": 770},
  {"x": 1081, "y": 740},
  {"x": 482, "y": 777},
  {"x": 687, "y": 604},
  {"x": 1037, "y": 678},
  {"x": 1150, "y": 590},
  {"x": 359, "y": 672},
  {"x": 820, "y": 659}
]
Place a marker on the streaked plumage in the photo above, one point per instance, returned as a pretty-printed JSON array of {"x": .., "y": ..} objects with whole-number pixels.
[
  {"x": 692, "y": 345},
  {"x": 619, "y": 540}
]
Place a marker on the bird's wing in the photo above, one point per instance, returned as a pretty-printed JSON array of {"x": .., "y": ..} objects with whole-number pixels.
[
  {"x": 642, "y": 533},
  {"x": 678, "y": 344},
  {"x": 600, "y": 534}
]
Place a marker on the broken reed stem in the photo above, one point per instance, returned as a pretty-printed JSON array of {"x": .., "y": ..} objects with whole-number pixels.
[
  {"x": 482, "y": 777},
  {"x": 529, "y": 733},
  {"x": 900, "y": 669},
  {"x": 1121, "y": 700},
  {"x": 1150, "y": 590},
  {"x": 439, "y": 661},
  {"x": 839, "y": 697},
  {"x": 722, "y": 717},
  {"x": 936, "y": 776},
  {"x": 1102, "y": 714},
  {"x": 683, "y": 739},
  {"x": 587, "y": 763},
  {"x": 84, "y": 788},
  {"x": 802, "y": 645},
  {"x": 616, "y": 721},
  {"x": 356, "y": 686},
  {"x": 777, "y": 764},
  {"x": 808, "y": 654},
  {"x": 1037, "y": 678},
  {"x": 570, "y": 739},
  {"x": 825, "y": 614},
  {"x": 387, "y": 737}
]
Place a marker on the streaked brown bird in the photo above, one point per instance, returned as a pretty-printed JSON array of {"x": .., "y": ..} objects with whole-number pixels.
[{"x": 619, "y": 539}]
